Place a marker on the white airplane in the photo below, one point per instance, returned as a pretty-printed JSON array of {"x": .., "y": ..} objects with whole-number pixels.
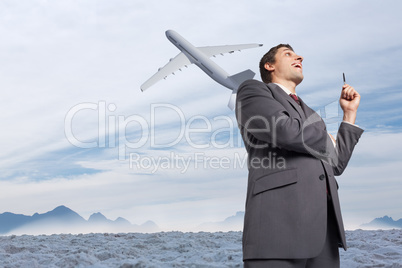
[{"x": 200, "y": 56}]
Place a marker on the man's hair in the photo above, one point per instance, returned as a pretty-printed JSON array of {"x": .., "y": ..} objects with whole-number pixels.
[{"x": 269, "y": 57}]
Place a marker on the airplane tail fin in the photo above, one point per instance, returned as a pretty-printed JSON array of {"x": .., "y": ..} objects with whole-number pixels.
[
  {"x": 238, "y": 79},
  {"x": 242, "y": 76}
]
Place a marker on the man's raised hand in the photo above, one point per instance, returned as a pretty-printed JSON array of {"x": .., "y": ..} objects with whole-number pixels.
[{"x": 349, "y": 101}]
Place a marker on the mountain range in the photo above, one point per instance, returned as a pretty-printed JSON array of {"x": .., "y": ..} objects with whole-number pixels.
[
  {"x": 235, "y": 223},
  {"x": 383, "y": 223},
  {"x": 232, "y": 223},
  {"x": 64, "y": 220}
]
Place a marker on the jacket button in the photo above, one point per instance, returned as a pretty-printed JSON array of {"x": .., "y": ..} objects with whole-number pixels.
[{"x": 322, "y": 177}]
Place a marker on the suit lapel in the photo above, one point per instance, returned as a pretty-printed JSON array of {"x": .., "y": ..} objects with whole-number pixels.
[
  {"x": 304, "y": 111},
  {"x": 309, "y": 112},
  {"x": 280, "y": 95},
  {"x": 296, "y": 106}
]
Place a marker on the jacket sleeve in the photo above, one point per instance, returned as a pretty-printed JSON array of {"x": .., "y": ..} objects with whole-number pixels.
[
  {"x": 346, "y": 140},
  {"x": 266, "y": 119}
]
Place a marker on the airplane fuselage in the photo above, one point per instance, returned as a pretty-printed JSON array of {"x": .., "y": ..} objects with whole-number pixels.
[
  {"x": 201, "y": 60},
  {"x": 200, "y": 56}
]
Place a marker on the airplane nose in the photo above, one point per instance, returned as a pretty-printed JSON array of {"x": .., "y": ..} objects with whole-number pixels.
[
  {"x": 171, "y": 33},
  {"x": 173, "y": 36}
]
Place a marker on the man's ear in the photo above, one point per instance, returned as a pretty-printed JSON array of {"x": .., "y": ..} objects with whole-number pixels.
[{"x": 269, "y": 66}]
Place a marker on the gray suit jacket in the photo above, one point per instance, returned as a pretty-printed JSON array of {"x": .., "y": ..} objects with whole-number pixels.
[{"x": 292, "y": 164}]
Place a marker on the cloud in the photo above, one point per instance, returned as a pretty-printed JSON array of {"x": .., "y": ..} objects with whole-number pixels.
[
  {"x": 59, "y": 55},
  {"x": 370, "y": 187},
  {"x": 142, "y": 192}
]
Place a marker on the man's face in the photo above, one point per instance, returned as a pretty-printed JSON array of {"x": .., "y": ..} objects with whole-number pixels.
[{"x": 287, "y": 66}]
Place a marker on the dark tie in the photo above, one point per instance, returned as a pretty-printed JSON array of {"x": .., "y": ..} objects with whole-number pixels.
[{"x": 294, "y": 96}]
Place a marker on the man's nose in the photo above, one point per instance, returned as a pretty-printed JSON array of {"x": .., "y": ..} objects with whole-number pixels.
[{"x": 300, "y": 58}]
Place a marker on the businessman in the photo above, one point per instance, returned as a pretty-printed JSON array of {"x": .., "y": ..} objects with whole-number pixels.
[{"x": 293, "y": 216}]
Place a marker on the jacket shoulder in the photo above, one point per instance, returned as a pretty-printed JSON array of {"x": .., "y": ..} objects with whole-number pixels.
[
  {"x": 251, "y": 83},
  {"x": 253, "y": 87}
]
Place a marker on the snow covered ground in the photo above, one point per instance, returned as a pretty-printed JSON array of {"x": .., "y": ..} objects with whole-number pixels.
[{"x": 174, "y": 249}]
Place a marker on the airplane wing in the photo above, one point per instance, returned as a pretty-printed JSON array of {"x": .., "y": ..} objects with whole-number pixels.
[
  {"x": 215, "y": 50},
  {"x": 173, "y": 65},
  {"x": 181, "y": 60}
]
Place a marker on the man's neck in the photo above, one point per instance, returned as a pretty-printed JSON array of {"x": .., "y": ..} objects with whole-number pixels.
[{"x": 288, "y": 84}]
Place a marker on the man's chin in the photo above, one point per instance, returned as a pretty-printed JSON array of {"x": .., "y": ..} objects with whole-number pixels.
[{"x": 299, "y": 80}]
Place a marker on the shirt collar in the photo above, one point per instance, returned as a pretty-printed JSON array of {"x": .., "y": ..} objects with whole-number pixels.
[{"x": 287, "y": 91}]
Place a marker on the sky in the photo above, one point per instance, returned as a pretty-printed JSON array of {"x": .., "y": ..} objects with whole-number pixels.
[{"x": 78, "y": 131}]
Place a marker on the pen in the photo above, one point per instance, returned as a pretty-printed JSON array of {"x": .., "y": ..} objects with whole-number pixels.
[{"x": 344, "y": 80}]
